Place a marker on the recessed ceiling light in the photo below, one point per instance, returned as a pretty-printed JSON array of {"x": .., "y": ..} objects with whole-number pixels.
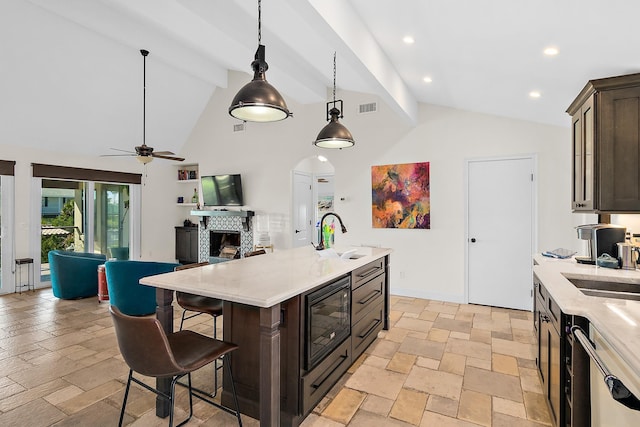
[
  {"x": 408, "y": 40},
  {"x": 551, "y": 51},
  {"x": 534, "y": 94},
  {"x": 427, "y": 79}
]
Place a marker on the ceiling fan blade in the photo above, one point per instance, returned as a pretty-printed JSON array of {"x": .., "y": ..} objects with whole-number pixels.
[
  {"x": 124, "y": 151},
  {"x": 160, "y": 156},
  {"x": 164, "y": 153},
  {"x": 117, "y": 155}
]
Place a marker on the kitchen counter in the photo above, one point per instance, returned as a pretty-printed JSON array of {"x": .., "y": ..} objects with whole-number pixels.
[
  {"x": 265, "y": 280},
  {"x": 618, "y": 320}
]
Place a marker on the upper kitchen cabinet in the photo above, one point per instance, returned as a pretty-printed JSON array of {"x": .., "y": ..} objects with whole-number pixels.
[{"x": 606, "y": 146}]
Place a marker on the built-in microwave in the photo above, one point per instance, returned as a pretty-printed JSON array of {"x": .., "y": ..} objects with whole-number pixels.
[{"x": 328, "y": 320}]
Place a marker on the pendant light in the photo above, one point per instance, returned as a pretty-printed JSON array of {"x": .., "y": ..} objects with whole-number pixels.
[
  {"x": 334, "y": 135},
  {"x": 258, "y": 101}
]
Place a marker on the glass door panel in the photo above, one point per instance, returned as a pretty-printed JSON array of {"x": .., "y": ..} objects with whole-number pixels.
[
  {"x": 63, "y": 220},
  {"x": 111, "y": 226}
]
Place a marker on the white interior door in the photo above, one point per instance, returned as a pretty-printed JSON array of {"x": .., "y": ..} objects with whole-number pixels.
[
  {"x": 500, "y": 215},
  {"x": 303, "y": 212}
]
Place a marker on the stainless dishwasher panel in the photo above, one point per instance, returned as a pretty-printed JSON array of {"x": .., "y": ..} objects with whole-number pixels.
[{"x": 605, "y": 411}]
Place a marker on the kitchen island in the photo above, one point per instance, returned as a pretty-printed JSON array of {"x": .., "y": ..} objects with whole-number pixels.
[
  {"x": 269, "y": 290},
  {"x": 565, "y": 298}
]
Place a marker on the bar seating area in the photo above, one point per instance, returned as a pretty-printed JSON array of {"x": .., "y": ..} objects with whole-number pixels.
[{"x": 149, "y": 351}]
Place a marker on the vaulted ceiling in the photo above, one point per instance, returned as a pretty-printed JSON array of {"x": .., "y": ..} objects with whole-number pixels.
[{"x": 71, "y": 71}]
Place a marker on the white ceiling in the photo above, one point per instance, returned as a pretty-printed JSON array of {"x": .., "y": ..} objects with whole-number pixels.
[{"x": 71, "y": 71}]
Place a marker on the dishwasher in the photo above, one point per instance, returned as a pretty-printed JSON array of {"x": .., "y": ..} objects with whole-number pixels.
[{"x": 614, "y": 387}]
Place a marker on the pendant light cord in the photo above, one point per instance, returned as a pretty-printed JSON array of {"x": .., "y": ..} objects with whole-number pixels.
[
  {"x": 259, "y": 22},
  {"x": 334, "y": 78},
  {"x": 144, "y": 97}
]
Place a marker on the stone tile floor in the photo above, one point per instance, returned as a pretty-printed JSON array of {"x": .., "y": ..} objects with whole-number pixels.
[{"x": 441, "y": 364}]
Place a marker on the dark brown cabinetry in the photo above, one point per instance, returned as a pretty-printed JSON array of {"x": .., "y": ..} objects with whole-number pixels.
[
  {"x": 302, "y": 389},
  {"x": 187, "y": 245},
  {"x": 606, "y": 145},
  {"x": 367, "y": 305},
  {"x": 563, "y": 367},
  {"x": 548, "y": 318}
]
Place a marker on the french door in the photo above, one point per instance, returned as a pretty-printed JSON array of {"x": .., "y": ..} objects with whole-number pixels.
[
  {"x": 82, "y": 216},
  {"x": 6, "y": 233}
]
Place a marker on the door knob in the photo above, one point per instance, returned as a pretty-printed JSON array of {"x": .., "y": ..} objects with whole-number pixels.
[
  {"x": 298, "y": 231},
  {"x": 473, "y": 240}
]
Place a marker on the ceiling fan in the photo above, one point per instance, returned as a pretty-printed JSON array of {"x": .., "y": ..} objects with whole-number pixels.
[{"x": 144, "y": 153}]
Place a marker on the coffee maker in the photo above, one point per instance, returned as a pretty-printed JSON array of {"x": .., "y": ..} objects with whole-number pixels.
[{"x": 602, "y": 238}]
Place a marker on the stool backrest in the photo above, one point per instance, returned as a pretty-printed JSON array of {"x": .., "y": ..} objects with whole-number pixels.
[
  {"x": 144, "y": 345},
  {"x": 188, "y": 266}
]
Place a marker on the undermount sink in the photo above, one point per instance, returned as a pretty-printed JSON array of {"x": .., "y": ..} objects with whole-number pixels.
[
  {"x": 604, "y": 289},
  {"x": 351, "y": 256}
]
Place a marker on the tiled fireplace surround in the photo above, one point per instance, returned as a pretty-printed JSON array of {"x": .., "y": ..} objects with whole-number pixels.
[{"x": 228, "y": 222}]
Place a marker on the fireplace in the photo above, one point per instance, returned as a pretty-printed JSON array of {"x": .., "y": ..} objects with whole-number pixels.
[
  {"x": 220, "y": 239},
  {"x": 219, "y": 228}
]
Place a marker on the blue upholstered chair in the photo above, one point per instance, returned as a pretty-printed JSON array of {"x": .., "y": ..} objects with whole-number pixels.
[
  {"x": 121, "y": 252},
  {"x": 125, "y": 291},
  {"x": 74, "y": 274}
]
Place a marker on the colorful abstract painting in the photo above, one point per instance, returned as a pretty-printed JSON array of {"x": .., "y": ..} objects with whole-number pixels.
[{"x": 400, "y": 196}]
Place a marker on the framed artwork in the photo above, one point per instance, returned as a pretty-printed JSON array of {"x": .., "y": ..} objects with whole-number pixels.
[
  {"x": 325, "y": 204},
  {"x": 400, "y": 196}
]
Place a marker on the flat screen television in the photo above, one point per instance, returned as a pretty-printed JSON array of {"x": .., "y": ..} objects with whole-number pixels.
[{"x": 222, "y": 190}]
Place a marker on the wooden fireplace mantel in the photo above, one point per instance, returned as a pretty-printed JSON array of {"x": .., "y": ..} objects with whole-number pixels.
[{"x": 206, "y": 214}]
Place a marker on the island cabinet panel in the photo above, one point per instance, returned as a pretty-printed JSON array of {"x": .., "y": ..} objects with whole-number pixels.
[
  {"x": 366, "y": 297},
  {"x": 367, "y": 305},
  {"x": 317, "y": 382},
  {"x": 242, "y": 327},
  {"x": 366, "y": 330},
  {"x": 366, "y": 272}
]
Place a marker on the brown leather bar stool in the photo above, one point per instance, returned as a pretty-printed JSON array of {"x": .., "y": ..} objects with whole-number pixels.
[
  {"x": 199, "y": 304},
  {"x": 254, "y": 253},
  {"x": 149, "y": 351}
]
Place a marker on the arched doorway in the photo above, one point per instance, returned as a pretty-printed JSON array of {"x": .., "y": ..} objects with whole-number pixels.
[{"x": 312, "y": 196}]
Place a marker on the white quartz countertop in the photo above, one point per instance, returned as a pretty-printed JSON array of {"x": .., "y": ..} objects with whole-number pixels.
[
  {"x": 618, "y": 320},
  {"x": 265, "y": 280}
]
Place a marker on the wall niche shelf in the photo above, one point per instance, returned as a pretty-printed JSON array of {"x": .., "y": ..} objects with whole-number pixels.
[{"x": 187, "y": 178}]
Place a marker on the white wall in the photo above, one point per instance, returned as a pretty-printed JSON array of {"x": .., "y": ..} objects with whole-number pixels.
[{"x": 426, "y": 263}]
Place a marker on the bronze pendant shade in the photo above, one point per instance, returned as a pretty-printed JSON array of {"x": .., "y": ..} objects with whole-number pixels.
[
  {"x": 335, "y": 134},
  {"x": 258, "y": 101}
]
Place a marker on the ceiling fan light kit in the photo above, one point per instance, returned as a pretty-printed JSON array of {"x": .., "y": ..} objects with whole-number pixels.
[
  {"x": 334, "y": 134},
  {"x": 144, "y": 159},
  {"x": 258, "y": 100}
]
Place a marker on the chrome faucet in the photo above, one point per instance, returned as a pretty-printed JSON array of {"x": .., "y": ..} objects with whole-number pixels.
[{"x": 342, "y": 227}]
